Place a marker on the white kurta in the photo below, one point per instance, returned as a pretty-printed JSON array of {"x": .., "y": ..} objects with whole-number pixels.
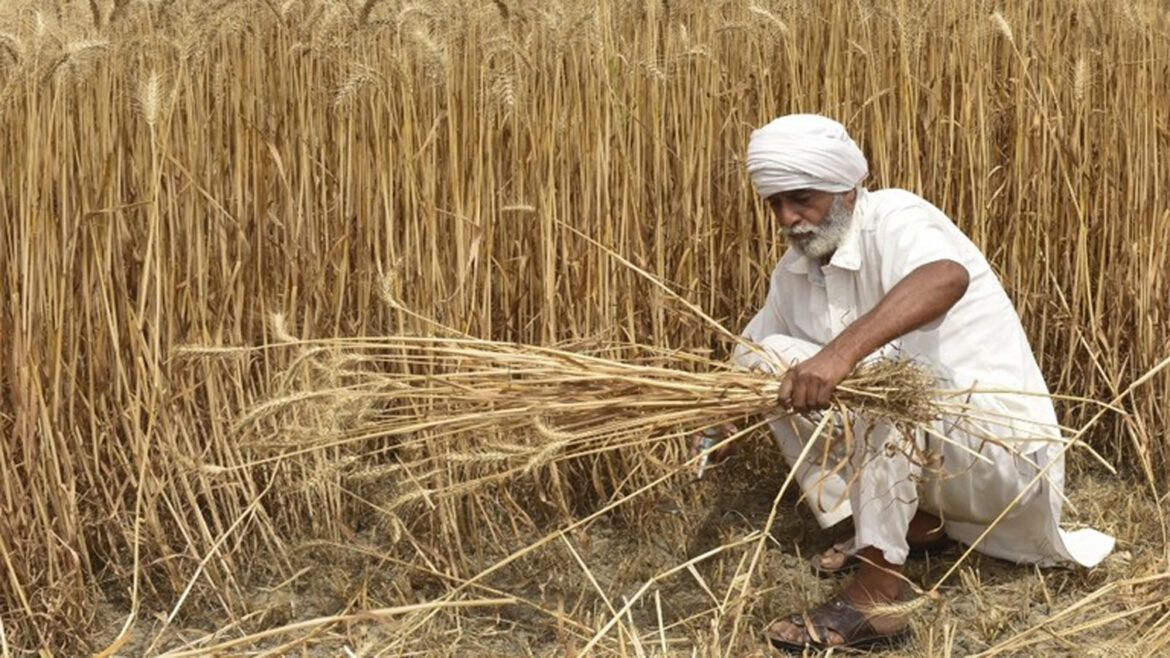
[{"x": 979, "y": 343}]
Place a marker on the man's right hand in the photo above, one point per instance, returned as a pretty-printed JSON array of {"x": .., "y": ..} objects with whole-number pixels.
[
  {"x": 809, "y": 385},
  {"x": 719, "y": 433}
]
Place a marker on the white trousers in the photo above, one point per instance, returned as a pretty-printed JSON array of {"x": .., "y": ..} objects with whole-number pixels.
[{"x": 874, "y": 477}]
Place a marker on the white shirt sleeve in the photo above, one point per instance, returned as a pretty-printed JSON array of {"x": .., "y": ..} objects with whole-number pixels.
[
  {"x": 768, "y": 321},
  {"x": 909, "y": 239}
]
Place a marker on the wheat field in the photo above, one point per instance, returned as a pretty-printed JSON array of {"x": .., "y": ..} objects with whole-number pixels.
[{"x": 201, "y": 199}]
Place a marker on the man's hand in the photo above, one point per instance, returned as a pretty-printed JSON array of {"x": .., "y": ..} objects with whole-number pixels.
[
  {"x": 720, "y": 433},
  {"x": 809, "y": 385}
]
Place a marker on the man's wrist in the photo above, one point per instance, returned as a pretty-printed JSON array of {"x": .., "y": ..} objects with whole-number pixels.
[{"x": 844, "y": 353}]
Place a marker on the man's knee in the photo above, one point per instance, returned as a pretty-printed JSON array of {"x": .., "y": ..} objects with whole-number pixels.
[{"x": 788, "y": 350}]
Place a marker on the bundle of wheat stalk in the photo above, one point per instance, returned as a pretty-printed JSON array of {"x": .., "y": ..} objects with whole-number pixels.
[{"x": 527, "y": 406}]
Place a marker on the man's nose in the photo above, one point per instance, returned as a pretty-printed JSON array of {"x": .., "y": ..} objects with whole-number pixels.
[{"x": 786, "y": 214}]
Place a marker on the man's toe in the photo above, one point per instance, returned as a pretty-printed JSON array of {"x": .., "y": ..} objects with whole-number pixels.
[
  {"x": 832, "y": 559},
  {"x": 795, "y": 634},
  {"x": 787, "y": 631}
]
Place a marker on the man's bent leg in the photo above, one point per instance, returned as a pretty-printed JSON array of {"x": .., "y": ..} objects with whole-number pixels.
[
  {"x": 884, "y": 493},
  {"x": 820, "y": 476},
  {"x": 884, "y": 498}
]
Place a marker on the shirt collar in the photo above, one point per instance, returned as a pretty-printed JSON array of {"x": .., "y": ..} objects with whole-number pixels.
[{"x": 848, "y": 254}]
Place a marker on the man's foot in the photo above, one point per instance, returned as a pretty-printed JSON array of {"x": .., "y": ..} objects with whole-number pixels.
[
  {"x": 832, "y": 560},
  {"x": 851, "y": 618},
  {"x": 847, "y": 619},
  {"x": 924, "y": 535}
]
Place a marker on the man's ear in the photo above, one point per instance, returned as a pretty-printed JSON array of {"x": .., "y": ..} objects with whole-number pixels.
[{"x": 850, "y": 197}]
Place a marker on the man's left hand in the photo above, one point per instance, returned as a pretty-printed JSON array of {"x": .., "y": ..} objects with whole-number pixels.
[{"x": 809, "y": 385}]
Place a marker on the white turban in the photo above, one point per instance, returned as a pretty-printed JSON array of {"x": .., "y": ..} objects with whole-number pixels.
[{"x": 800, "y": 151}]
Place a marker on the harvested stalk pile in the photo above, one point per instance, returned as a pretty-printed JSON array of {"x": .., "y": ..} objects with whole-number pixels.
[{"x": 526, "y": 406}]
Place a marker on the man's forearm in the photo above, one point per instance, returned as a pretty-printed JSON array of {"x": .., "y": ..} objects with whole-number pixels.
[{"x": 920, "y": 297}]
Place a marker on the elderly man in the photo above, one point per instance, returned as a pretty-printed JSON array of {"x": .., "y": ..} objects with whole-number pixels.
[{"x": 885, "y": 272}]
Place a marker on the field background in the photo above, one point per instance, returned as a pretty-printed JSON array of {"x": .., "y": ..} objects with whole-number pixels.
[{"x": 237, "y": 173}]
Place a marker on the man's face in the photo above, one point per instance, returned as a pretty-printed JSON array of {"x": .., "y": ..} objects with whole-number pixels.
[{"x": 813, "y": 221}]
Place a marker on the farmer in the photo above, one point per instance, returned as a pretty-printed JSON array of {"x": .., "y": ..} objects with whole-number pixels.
[{"x": 886, "y": 273}]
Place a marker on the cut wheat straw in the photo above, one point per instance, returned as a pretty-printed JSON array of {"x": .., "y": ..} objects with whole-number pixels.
[
  {"x": 466, "y": 384},
  {"x": 523, "y": 406}
]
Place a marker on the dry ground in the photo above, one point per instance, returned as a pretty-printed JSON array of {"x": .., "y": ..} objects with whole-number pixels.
[{"x": 984, "y": 604}]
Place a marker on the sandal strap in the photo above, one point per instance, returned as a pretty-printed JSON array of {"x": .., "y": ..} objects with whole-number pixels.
[
  {"x": 837, "y": 615},
  {"x": 841, "y": 616}
]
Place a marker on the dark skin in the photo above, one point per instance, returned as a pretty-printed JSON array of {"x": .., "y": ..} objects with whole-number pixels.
[{"x": 923, "y": 295}]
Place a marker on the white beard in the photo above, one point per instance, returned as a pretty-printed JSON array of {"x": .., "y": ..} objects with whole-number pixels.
[{"x": 819, "y": 240}]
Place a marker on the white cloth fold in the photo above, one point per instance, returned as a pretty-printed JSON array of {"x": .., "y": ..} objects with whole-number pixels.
[
  {"x": 804, "y": 151},
  {"x": 882, "y": 489}
]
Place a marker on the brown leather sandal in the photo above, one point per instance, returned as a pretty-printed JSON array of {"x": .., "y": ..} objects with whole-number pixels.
[
  {"x": 838, "y": 615},
  {"x": 934, "y": 547}
]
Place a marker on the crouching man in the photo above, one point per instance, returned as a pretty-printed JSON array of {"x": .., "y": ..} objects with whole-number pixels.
[{"x": 871, "y": 272}]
